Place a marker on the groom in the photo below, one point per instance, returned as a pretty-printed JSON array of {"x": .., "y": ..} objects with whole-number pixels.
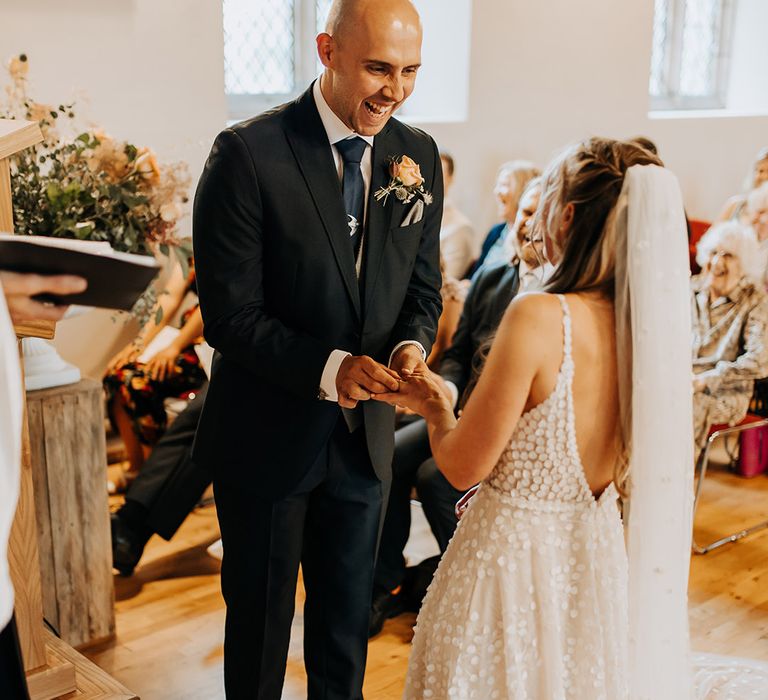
[{"x": 315, "y": 295}]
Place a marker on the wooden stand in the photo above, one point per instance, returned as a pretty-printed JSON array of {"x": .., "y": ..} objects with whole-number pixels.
[
  {"x": 68, "y": 455},
  {"x": 52, "y": 667}
]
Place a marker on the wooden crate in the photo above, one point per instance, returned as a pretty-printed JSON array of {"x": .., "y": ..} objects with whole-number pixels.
[{"x": 68, "y": 455}]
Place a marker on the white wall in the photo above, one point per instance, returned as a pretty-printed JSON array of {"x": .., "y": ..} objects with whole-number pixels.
[
  {"x": 542, "y": 74},
  {"x": 748, "y": 85},
  {"x": 443, "y": 92},
  {"x": 549, "y": 72}
]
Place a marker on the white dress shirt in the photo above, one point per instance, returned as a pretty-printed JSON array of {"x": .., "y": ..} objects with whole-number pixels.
[
  {"x": 337, "y": 131},
  {"x": 10, "y": 449}
]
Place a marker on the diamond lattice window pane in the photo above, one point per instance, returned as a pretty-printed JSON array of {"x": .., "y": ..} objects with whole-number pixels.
[
  {"x": 321, "y": 10},
  {"x": 701, "y": 45},
  {"x": 259, "y": 40},
  {"x": 321, "y": 15},
  {"x": 659, "y": 58}
]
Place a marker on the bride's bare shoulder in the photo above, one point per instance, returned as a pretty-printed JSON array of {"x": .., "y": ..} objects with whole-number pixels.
[
  {"x": 535, "y": 304},
  {"x": 538, "y": 312}
]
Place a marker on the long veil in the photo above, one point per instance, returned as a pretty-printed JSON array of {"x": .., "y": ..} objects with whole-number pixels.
[{"x": 653, "y": 332}]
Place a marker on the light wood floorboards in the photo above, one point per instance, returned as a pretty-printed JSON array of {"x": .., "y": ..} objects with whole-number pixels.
[{"x": 170, "y": 615}]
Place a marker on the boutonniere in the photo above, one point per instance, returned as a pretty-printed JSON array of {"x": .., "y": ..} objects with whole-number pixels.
[{"x": 406, "y": 182}]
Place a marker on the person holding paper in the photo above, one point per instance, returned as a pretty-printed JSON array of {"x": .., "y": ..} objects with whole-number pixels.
[
  {"x": 17, "y": 305},
  {"x": 316, "y": 234}
]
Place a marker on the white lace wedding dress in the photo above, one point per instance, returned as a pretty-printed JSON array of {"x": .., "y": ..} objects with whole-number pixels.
[{"x": 530, "y": 599}]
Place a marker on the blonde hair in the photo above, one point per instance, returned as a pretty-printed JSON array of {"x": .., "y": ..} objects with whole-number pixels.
[
  {"x": 521, "y": 172},
  {"x": 749, "y": 180},
  {"x": 589, "y": 176},
  {"x": 738, "y": 239}
]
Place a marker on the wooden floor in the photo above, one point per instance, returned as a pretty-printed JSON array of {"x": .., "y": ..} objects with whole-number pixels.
[{"x": 170, "y": 614}]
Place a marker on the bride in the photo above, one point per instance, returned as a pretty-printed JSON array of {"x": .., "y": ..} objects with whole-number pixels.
[{"x": 585, "y": 397}]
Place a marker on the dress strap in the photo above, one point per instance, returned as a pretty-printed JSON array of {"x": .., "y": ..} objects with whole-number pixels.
[{"x": 567, "y": 340}]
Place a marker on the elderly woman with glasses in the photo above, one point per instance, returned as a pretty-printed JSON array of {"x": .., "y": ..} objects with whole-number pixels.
[{"x": 730, "y": 321}]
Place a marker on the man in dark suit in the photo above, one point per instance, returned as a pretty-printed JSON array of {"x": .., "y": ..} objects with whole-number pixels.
[
  {"x": 168, "y": 487},
  {"x": 315, "y": 294},
  {"x": 493, "y": 287}
]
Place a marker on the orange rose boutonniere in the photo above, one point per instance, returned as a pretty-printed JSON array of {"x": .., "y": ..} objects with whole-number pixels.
[{"x": 406, "y": 182}]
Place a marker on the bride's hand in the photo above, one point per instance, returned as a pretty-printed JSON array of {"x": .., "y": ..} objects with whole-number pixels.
[{"x": 420, "y": 393}]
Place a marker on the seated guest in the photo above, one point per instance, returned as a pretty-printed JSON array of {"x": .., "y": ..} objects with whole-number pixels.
[
  {"x": 458, "y": 243},
  {"x": 492, "y": 288},
  {"x": 510, "y": 183},
  {"x": 735, "y": 207},
  {"x": 730, "y": 322},
  {"x": 756, "y": 213},
  {"x": 136, "y": 391},
  {"x": 166, "y": 490}
]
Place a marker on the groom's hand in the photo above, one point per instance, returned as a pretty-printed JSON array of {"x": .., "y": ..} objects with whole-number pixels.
[
  {"x": 360, "y": 377},
  {"x": 407, "y": 360}
]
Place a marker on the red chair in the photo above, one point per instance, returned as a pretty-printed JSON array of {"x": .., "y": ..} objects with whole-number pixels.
[
  {"x": 750, "y": 422},
  {"x": 697, "y": 230}
]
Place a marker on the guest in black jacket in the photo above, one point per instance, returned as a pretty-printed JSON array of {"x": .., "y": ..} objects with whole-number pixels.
[
  {"x": 493, "y": 287},
  {"x": 168, "y": 487}
]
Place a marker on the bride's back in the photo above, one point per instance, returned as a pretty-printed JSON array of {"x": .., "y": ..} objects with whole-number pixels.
[{"x": 595, "y": 382}]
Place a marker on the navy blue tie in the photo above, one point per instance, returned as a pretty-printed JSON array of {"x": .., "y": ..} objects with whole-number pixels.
[{"x": 353, "y": 187}]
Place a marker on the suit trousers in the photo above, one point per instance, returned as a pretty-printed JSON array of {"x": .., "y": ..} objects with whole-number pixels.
[
  {"x": 170, "y": 483},
  {"x": 329, "y": 524},
  {"x": 13, "y": 684},
  {"x": 413, "y": 465}
]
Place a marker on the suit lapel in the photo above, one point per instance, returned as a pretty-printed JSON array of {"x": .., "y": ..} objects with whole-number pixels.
[
  {"x": 379, "y": 214},
  {"x": 309, "y": 144}
]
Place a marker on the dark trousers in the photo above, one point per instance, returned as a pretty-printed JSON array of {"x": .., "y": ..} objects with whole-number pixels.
[
  {"x": 170, "y": 483},
  {"x": 13, "y": 683},
  {"x": 329, "y": 524},
  {"x": 413, "y": 465}
]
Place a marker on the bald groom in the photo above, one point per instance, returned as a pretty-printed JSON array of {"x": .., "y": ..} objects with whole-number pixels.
[{"x": 315, "y": 294}]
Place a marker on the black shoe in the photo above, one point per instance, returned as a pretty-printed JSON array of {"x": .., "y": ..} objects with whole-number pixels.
[
  {"x": 127, "y": 546},
  {"x": 385, "y": 605},
  {"x": 416, "y": 581}
]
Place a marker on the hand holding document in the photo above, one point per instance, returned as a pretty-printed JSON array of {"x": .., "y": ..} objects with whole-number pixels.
[{"x": 115, "y": 280}]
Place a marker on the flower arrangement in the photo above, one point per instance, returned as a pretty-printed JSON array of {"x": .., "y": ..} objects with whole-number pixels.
[
  {"x": 92, "y": 186},
  {"x": 406, "y": 182}
]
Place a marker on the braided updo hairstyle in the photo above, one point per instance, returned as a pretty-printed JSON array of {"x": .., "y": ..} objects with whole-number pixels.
[{"x": 590, "y": 176}]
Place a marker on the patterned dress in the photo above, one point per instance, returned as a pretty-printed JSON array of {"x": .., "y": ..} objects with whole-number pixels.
[
  {"x": 530, "y": 599},
  {"x": 144, "y": 398},
  {"x": 729, "y": 352}
]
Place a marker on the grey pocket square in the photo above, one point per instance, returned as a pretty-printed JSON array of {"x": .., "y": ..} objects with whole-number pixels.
[{"x": 415, "y": 214}]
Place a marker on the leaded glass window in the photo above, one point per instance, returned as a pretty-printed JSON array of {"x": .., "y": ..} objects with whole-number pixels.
[
  {"x": 690, "y": 48},
  {"x": 269, "y": 51},
  {"x": 259, "y": 41}
]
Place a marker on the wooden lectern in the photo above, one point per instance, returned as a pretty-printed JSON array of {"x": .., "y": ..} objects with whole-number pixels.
[{"x": 53, "y": 668}]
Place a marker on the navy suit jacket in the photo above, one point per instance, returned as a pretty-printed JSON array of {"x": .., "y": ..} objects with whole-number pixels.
[{"x": 278, "y": 291}]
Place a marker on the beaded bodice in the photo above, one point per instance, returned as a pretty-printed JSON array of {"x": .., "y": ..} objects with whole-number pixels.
[{"x": 541, "y": 462}]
